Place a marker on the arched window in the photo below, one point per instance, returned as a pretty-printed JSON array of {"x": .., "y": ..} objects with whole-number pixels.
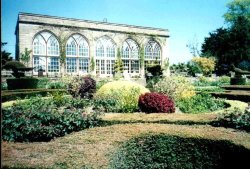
[
  {"x": 77, "y": 55},
  {"x": 46, "y": 52},
  {"x": 152, "y": 53},
  {"x": 105, "y": 56},
  {"x": 130, "y": 56}
]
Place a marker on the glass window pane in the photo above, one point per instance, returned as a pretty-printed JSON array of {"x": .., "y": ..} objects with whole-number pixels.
[
  {"x": 71, "y": 65},
  {"x": 53, "y": 64},
  {"x": 71, "y": 47},
  {"x": 83, "y": 65},
  {"x": 53, "y": 46},
  {"x": 39, "y": 62},
  {"x": 135, "y": 66},
  {"x": 39, "y": 45}
]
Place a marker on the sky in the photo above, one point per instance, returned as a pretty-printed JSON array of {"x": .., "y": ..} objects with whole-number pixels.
[{"x": 188, "y": 21}]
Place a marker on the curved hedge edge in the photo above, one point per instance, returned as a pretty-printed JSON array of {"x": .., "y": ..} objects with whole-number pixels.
[
  {"x": 174, "y": 118},
  {"x": 97, "y": 145},
  {"x": 10, "y": 103}
]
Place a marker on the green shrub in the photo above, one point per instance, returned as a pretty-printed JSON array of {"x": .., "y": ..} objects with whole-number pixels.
[
  {"x": 42, "y": 120},
  {"x": 235, "y": 119},
  {"x": 208, "y": 81},
  {"x": 43, "y": 82},
  {"x": 56, "y": 85},
  {"x": 4, "y": 86},
  {"x": 173, "y": 152},
  {"x": 8, "y": 95},
  {"x": 123, "y": 94},
  {"x": 175, "y": 87},
  {"x": 208, "y": 89},
  {"x": 200, "y": 103},
  {"x": 22, "y": 83},
  {"x": 224, "y": 80},
  {"x": 13, "y": 65},
  {"x": 100, "y": 83}
]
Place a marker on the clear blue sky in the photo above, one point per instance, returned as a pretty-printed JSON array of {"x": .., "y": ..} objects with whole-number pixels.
[{"x": 185, "y": 19}]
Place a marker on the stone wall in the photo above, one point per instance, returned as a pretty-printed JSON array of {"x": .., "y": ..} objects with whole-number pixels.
[{"x": 29, "y": 25}]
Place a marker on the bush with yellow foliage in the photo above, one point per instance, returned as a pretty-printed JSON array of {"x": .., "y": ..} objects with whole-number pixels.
[
  {"x": 207, "y": 65},
  {"x": 119, "y": 96}
]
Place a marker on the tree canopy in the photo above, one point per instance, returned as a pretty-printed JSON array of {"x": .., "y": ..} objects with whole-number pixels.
[
  {"x": 232, "y": 44},
  {"x": 237, "y": 8}
]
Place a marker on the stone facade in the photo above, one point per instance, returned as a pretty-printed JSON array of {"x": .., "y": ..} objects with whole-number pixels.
[{"x": 29, "y": 25}]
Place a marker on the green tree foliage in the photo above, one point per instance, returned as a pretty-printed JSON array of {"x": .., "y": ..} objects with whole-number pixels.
[
  {"x": 229, "y": 45},
  {"x": 118, "y": 67},
  {"x": 237, "y": 8},
  {"x": 25, "y": 56},
  {"x": 5, "y": 56}
]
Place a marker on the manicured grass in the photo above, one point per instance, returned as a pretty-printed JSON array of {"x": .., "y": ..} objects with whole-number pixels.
[
  {"x": 175, "y": 118},
  {"x": 94, "y": 147}
]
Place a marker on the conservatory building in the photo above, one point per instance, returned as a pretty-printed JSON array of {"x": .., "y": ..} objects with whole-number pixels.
[{"x": 78, "y": 47}]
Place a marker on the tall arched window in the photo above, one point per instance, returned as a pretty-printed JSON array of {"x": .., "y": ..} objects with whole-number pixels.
[
  {"x": 105, "y": 56},
  {"x": 45, "y": 52},
  {"x": 152, "y": 53},
  {"x": 77, "y": 55},
  {"x": 130, "y": 56}
]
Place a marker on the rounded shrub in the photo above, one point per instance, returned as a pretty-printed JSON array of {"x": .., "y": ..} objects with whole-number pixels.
[
  {"x": 176, "y": 87},
  {"x": 119, "y": 96},
  {"x": 87, "y": 88},
  {"x": 156, "y": 103}
]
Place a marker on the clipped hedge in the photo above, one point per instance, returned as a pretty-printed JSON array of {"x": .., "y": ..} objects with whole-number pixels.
[
  {"x": 22, "y": 83},
  {"x": 9, "y": 95},
  {"x": 174, "y": 152}
]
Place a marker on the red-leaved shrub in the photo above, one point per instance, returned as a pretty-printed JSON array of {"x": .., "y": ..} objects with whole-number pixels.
[
  {"x": 87, "y": 88},
  {"x": 156, "y": 103}
]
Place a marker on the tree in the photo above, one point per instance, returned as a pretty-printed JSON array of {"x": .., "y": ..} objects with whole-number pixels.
[
  {"x": 237, "y": 8},
  {"x": 5, "y": 56},
  {"x": 118, "y": 67},
  {"x": 230, "y": 45},
  {"x": 25, "y": 57}
]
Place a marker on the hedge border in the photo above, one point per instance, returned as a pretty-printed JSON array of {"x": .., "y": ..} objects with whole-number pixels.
[{"x": 97, "y": 145}]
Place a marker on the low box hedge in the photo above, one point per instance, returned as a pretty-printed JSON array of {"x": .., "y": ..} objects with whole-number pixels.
[
  {"x": 9, "y": 95},
  {"x": 22, "y": 83}
]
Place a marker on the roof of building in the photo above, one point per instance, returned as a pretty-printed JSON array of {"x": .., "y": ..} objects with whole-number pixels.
[{"x": 54, "y": 20}]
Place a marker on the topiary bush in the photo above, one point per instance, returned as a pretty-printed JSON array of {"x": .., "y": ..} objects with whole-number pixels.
[
  {"x": 119, "y": 96},
  {"x": 156, "y": 103},
  {"x": 22, "y": 83},
  {"x": 176, "y": 87},
  {"x": 174, "y": 152},
  {"x": 12, "y": 65},
  {"x": 87, "y": 88}
]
